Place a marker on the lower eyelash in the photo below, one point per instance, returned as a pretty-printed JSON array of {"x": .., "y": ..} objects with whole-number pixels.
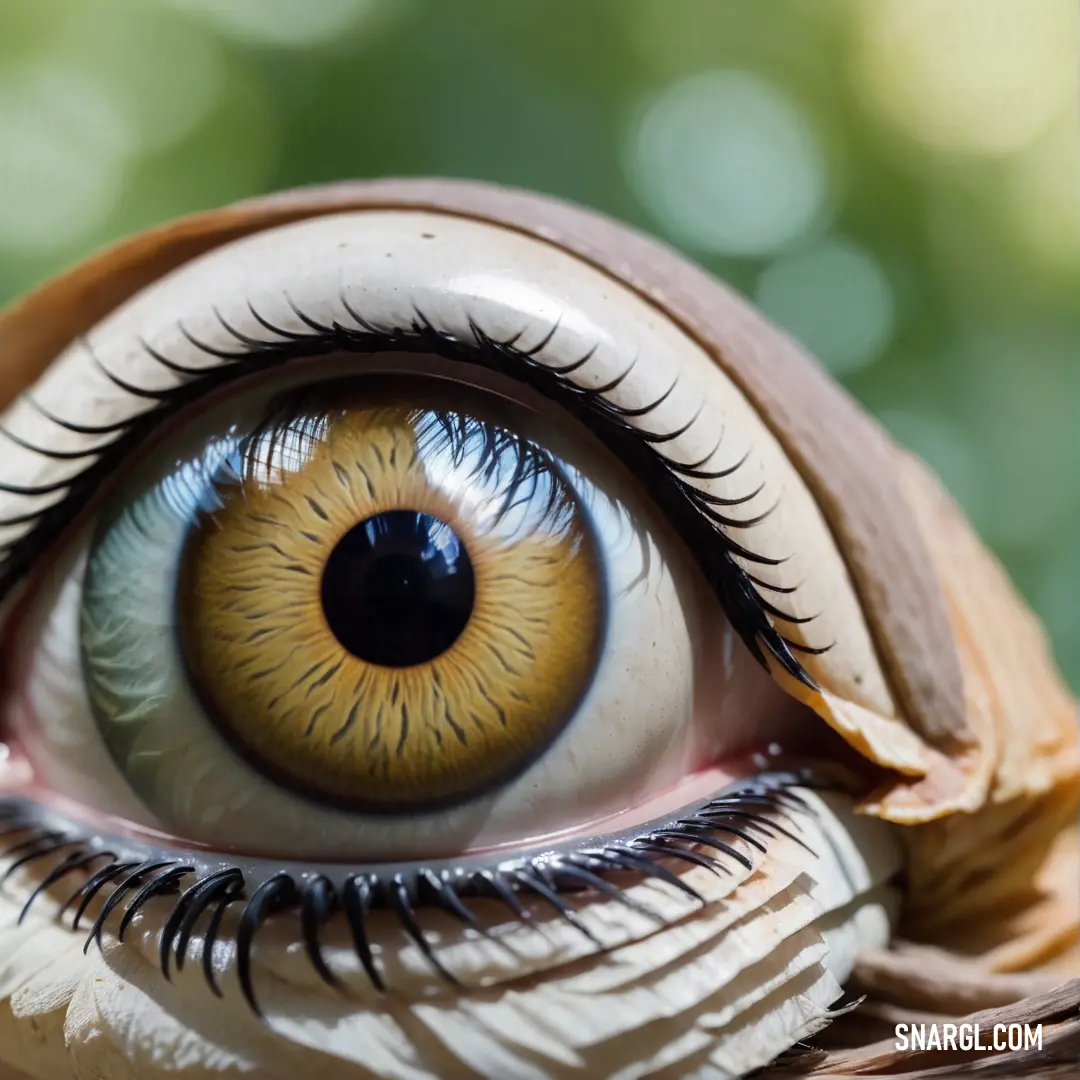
[{"x": 749, "y": 812}]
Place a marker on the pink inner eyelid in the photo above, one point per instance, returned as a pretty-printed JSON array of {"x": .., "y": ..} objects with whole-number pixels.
[
  {"x": 17, "y": 780},
  {"x": 692, "y": 788}
]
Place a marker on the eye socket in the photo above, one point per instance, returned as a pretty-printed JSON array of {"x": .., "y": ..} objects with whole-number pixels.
[
  {"x": 600, "y": 905},
  {"x": 483, "y": 300}
]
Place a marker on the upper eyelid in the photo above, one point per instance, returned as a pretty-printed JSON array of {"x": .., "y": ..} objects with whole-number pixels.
[{"x": 505, "y": 282}]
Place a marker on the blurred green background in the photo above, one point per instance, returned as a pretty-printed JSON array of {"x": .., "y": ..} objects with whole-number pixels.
[{"x": 896, "y": 182}]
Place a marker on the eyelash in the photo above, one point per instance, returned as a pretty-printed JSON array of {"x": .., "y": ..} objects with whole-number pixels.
[
  {"x": 748, "y": 811},
  {"x": 694, "y": 512},
  {"x": 500, "y": 448}
]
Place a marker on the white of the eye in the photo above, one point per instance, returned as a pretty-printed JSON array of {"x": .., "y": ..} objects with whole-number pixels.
[
  {"x": 649, "y": 717},
  {"x": 388, "y": 266}
]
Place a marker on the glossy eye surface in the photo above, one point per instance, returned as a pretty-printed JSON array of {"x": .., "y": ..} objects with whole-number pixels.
[
  {"x": 379, "y": 596},
  {"x": 386, "y": 606},
  {"x": 390, "y": 607}
]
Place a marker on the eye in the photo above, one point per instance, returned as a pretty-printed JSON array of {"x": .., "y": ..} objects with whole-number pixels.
[
  {"x": 382, "y": 616},
  {"x": 405, "y": 591}
]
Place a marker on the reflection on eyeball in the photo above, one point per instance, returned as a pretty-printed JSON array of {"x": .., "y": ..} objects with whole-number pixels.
[{"x": 447, "y": 634}]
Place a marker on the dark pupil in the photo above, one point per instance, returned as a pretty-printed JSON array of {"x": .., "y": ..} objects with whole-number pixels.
[{"x": 398, "y": 588}]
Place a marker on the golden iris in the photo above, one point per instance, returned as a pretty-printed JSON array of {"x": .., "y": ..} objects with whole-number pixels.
[{"x": 389, "y": 605}]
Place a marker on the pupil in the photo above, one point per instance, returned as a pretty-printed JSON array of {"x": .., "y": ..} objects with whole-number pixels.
[{"x": 398, "y": 589}]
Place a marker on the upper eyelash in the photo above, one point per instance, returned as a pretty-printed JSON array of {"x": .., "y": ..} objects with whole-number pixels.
[
  {"x": 529, "y": 460},
  {"x": 752, "y": 811},
  {"x": 703, "y": 525}
]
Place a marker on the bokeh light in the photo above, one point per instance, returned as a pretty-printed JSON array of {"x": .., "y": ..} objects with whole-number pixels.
[
  {"x": 728, "y": 164},
  {"x": 895, "y": 182},
  {"x": 1021, "y": 401},
  {"x": 835, "y": 298},
  {"x": 65, "y": 144},
  {"x": 163, "y": 95},
  {"x": 282, "y": 22},
  {"x": 969, "y": 76},
  {"x": 1041, "y": 196},
  {"x": 948, "y": 449}
]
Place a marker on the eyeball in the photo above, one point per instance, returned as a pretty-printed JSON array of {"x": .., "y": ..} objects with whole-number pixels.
[{"x": 382, "y": 616}]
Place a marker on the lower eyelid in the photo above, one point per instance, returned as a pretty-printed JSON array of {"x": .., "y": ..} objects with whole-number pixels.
[
  {"x": 52, "y": 812},
  {"x": 796, "y": 831}
]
